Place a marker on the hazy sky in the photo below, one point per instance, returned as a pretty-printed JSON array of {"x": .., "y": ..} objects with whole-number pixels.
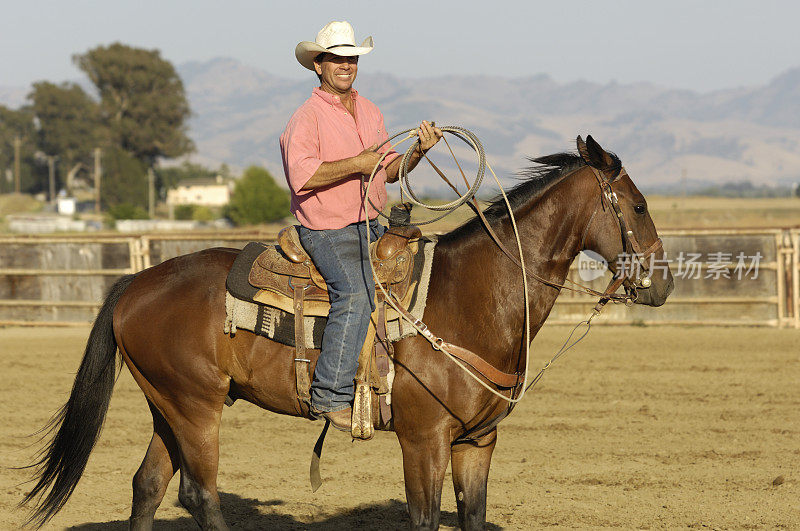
[{"x": 700, "y": 45}]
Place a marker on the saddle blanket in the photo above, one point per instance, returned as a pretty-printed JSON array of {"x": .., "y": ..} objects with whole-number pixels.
[{"x": 243, "y": 313}]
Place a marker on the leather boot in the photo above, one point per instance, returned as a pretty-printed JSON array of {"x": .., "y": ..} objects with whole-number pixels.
[{"x": 341, "y": 420}]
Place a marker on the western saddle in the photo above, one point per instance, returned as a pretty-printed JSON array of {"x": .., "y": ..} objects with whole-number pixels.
[{"x": 287, "y": 279}]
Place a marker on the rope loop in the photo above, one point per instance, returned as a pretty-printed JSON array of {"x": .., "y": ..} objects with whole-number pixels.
[
  {"x": 438, "y": 343},
  {"x": 466, "y": 136}
]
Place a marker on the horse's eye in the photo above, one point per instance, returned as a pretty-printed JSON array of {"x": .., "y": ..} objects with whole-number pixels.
[{"x": 640, "y": 209}]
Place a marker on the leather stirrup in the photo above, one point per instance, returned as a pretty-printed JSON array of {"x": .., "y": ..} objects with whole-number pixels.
[{"x": 301, "y": 361}]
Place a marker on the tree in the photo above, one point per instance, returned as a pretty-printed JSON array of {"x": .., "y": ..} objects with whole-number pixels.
[
  {"x": 257, "y": 199},
  {"x": 18, "y": 124},
  {"x": 68, "y": 124},
  {"x": 124, "y": 180},
  {"x": 142, "y": 100},
  {"x": 194, "y": 212}
]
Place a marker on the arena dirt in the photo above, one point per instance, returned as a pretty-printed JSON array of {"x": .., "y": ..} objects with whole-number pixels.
[{"x": 635, "y": 428}]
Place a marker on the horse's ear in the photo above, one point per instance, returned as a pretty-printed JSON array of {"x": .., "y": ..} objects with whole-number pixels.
[
  {"x": 598, "y": 154},
  {"x": 597, "y": 157},
  {"x": 583, "y": 150}
]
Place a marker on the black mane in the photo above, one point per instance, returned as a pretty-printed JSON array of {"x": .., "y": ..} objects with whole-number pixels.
[
  {"x": 547, "y": 171},
  {"x": 536, "y": 179}
]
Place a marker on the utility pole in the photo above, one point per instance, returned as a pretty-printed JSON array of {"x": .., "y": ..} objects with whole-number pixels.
[
  {"x": 98, "y": 170},
  {"x": 683, "y": 180},
  {"x": 151, "y": 193},
  {"x": 17, "y": 147},
  {"x": 51, "y": 171}
]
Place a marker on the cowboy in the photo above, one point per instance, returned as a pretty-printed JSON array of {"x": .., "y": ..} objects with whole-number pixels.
[{"x": 328, "y": 148}]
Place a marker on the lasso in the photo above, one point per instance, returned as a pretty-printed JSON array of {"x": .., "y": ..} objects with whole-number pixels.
[{"x": 469, "y": 138}]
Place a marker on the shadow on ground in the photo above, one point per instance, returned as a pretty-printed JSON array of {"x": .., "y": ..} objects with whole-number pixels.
[{"x": 244, "y": 513}]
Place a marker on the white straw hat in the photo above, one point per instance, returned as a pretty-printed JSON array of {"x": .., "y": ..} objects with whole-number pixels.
[{"x": 337, "y": 38}]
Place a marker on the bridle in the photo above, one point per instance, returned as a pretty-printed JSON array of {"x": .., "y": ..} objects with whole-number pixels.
[
  {"x": 629, "y": 242},
  {"x": 631, "y": 283},
  {"x": 607, "y": 194},
  {"x": 462, "y": 356},
  {"x": 630, "y": 247}
]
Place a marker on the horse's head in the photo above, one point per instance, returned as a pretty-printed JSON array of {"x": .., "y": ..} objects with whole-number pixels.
[{"x": 622, "y": 231}]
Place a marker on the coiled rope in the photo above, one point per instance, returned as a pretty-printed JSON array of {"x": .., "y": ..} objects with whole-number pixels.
[
  {"x": 461, "y": 133},
  {"x": 469, "y": 138}
]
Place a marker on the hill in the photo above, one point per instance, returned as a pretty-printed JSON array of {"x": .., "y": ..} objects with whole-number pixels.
[
  {"x": 741, "y": 134},
  {"x": 745, "y": 134}
]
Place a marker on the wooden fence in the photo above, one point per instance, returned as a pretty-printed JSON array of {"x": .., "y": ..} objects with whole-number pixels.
[
  {"x": 742, "y": 277},
  {"x": 736, "y": 277}
]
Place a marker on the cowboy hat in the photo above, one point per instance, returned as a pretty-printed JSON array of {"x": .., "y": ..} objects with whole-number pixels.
[{"x": 337, "y": 38}]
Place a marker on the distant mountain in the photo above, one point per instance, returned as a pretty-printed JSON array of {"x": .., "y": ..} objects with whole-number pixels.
[
  {"x": 731, "y": 135},
  {"x": 743, "y": 134}
]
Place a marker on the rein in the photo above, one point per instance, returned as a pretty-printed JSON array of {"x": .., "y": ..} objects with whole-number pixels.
[
  {"x": 460, "y": 355},
  {"x": 628, "y": 239}
]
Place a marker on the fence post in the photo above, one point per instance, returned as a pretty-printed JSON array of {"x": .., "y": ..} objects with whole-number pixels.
[
  {"x": 795, "y": 265},
  {"x": 144, "y": 246},
  {"x": 780, "y": 279},
  {"x": 133, "y": 244}
]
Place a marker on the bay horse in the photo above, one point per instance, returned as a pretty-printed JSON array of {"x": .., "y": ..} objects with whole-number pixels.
[{"x": 167, "y": 324}]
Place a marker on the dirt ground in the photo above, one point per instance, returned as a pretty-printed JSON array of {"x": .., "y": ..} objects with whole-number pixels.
[{"x": 638, "y": 427}]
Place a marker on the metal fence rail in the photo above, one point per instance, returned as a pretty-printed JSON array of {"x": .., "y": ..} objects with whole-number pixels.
[{"x": 61, "y": 280}]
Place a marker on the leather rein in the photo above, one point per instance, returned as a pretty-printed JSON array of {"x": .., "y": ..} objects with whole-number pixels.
[
  {"x": 629, "y": 241},
  {"x": 512, "y": 381}
]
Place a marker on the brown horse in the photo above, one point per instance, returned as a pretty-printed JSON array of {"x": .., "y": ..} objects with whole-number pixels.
[{"x": 167, "y": 324}]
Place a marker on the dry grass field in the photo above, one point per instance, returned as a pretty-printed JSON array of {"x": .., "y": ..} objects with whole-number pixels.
[
  {"x": 692, "y": 212},
  {"x": 18, "y": 204},
  {"x": 635, "y": 428},
  {"x": 723, "y": 213}
]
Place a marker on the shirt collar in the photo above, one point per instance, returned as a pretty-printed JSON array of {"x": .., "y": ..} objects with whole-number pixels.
[{"x": 332, "y": 99}]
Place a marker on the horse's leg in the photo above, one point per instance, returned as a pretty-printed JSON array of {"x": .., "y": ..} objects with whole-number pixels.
[
  {"x": 151, "y": 480},
  {"x": 425, "y": 457},
  {"x": 470, "y": 465},
  {"x": 198, "y": 443}
]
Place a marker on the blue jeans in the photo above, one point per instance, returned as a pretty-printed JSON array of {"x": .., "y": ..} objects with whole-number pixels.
[{"x": 342, "y": 257}]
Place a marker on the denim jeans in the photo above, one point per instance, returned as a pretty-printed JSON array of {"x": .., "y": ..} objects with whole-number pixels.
[{"x": 342, "y": 257}]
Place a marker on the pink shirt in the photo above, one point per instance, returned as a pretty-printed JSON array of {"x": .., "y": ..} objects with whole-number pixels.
[{"x": 322, "y": 130}]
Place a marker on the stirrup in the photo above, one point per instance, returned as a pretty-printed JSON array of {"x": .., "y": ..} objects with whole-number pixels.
[{"x": 361, "y": 423}]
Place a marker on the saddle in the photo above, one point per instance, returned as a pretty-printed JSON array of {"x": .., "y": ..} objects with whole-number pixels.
[
  {"x": 286, "y": 278},
  {"x": 280, "y": 271}
]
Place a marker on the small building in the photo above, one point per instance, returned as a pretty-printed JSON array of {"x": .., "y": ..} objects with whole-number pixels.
[
  {"x": 205, "y": 192},
  {"x": 66, "y": 206}
]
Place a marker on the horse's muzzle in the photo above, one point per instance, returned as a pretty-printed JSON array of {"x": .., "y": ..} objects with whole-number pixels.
[{"x": 657, "y": 293}]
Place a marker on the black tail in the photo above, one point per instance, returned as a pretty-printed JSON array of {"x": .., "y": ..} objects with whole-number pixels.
[{"x": 78, "y": 423}]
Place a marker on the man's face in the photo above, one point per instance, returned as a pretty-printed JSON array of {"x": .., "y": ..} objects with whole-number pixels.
[{"x": 337, "y": 72}]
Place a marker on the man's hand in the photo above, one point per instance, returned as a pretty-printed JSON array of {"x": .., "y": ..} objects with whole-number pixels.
[
  {"x": 332, "y": 172},
  {"x": 428, "y": 135},
  {"x": 368, "y": 158}
]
